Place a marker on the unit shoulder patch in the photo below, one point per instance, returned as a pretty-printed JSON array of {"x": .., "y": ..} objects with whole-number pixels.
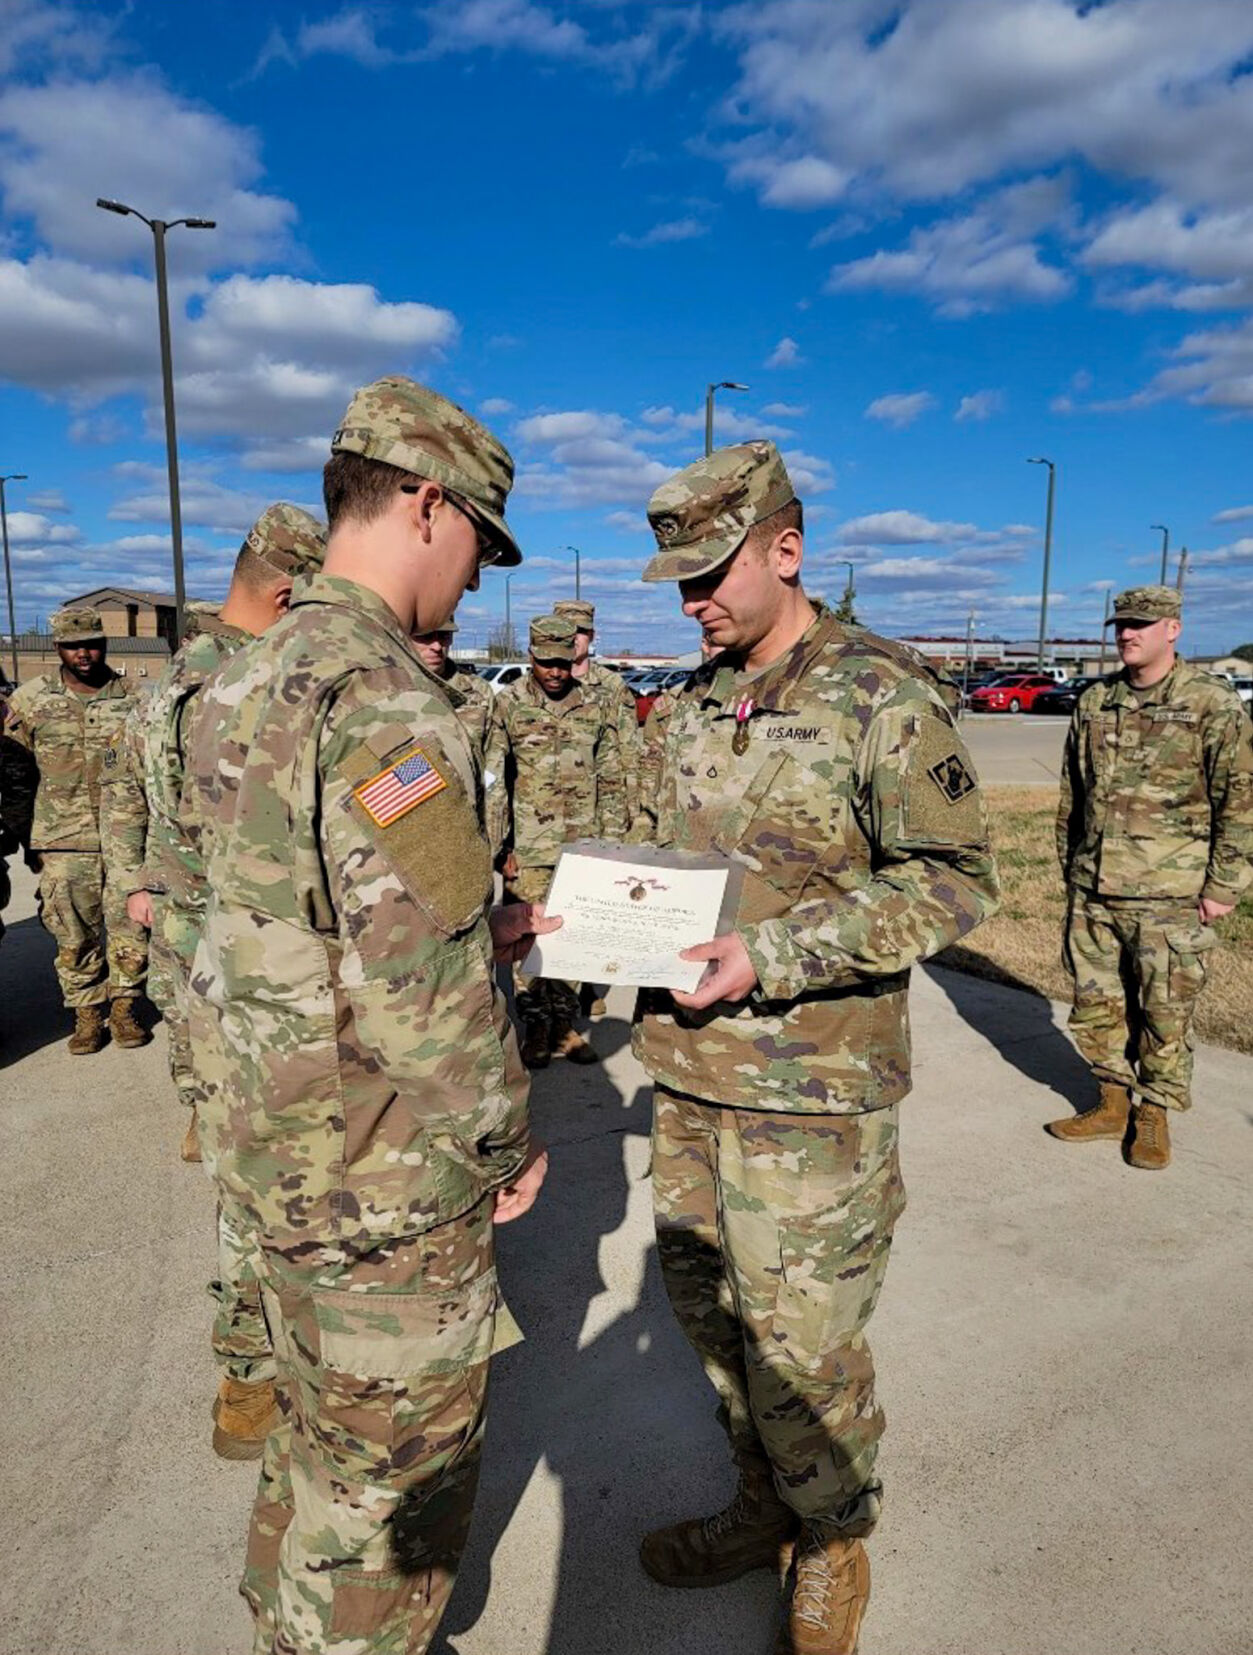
[
  {"x": 952, "y": 778},
  {"x": 942, "y": 801},
  {"x": 406, "y": 783}
]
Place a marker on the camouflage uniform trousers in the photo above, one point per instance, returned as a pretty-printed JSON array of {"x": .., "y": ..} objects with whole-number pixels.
[
  {"x": 1138, "y": 967},
  {"x": 368, "y": 1483},
  {"x": 542, "y": 998},
  {"x": 773, "y": 1233},
  {"x": 102, "y": 954},
  {"x": 241, "y": 1340}
]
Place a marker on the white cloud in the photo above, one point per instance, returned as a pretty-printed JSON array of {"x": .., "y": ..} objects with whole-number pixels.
[
  {"x": 900, "y": 408},
  {"x": 810, "y": 473},
  {"x": 785, "y": 410},
  {"x": 1233, "y": 514},
  {"x": 496, "y": 405},
  {"x": 900, "y": 528},
  {"x": 49, "y": 499},
  {"x": 979, "y": 405},
  {"x": 674, "y": 229},
  {"x": 1211, "y": 369},
  {"x": 804, "y": 182},
  {"x": 32, "y": 528},
  {"x": 583, "y": 457},
  {"x": 786, "y": 354},
  {"x": 972, "y": 262}
]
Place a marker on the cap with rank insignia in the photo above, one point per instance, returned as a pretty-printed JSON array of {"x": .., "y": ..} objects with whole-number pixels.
[
  {"x": 702, "y": 515},
  {"x": 1146, "y": 603}
]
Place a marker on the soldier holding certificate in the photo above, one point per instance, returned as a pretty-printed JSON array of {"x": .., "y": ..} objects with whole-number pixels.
[{"x": 815, "y": 755}]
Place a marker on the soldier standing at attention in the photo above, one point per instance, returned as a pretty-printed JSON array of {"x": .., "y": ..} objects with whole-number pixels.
[
  {"x": 809, "y": 752},
  {"x": 1155, "y": 840},
  {"x": 167, "y": 892},
  {"x": 64, "y": 738},
  {"x": 364, "y": 1103},
  {"x": 608, "y": 684},
  {"x": 470, "y": 695},
  {"x": 554, "y": 745}
]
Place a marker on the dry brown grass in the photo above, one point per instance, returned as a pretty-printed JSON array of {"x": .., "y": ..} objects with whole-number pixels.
[{"x": 1022, "y": 945}]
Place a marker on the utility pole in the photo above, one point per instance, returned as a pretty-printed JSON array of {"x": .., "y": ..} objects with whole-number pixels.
[
  {"x": 970, "y": 650},
  {"x": 158, "y": 226},
  {"x": 509, "y": 617},
  {"x": 722, "y": 385},
  {"x": 13, "y": 477},
  {"x": 1048, "y": 552},
  {"x": 1182, "y": 571},
  {"x": 1165, "y": 548},
  {"x": 1100, "y": 671}
]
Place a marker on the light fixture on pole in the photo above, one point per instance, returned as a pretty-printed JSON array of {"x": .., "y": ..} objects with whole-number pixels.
[
  {"x": 722, "y": 385},
  {"x": 12, "y": 477},
  {"x": 159, "y": 226},
  {"x": 1165, "y": 547},
  {"x": 1048, "y": 554},
  {"x": 578, "y": 583}
]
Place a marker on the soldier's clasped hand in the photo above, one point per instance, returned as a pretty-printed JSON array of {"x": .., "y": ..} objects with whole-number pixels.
[{"x": 730, "y": 974}]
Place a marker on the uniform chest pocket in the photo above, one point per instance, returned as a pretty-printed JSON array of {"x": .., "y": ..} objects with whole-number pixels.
[{"x": 781, "y": 831}]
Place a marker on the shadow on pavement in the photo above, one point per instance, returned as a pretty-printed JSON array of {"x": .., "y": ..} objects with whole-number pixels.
[
  {"x": 31, "y": 1013},
  {"x": 586, "y": 1408},
  {"x": 1017, "y": 1020}
]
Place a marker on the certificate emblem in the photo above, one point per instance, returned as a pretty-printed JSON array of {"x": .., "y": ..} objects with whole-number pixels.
[{"x": 638, "y": 889}]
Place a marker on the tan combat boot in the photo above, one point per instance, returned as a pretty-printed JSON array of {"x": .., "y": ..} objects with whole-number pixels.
[
  {"x": 754, "y": 1532},
  {"x": 830, "y": 1591},
  {"x": 243, "y": 1417},
  {"x": 189, "y": 1149},
  {"x": 89, "y": 1030},
  {"x": 124, "y": 1026},
  {"x": 1149, "y": 1148},
  {"x": 1108, "y": 1120}
]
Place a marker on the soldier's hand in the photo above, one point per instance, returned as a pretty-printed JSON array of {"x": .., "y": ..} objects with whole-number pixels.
[
  {"x": 515, "y": 927},
  {"x": 139, "y": 908},
  {"x": 512, "y": 1200},
  {"x": 1210, "y": 910},
  {"x": 729, "y": 974},
  {"x": 509, "y": 867}
]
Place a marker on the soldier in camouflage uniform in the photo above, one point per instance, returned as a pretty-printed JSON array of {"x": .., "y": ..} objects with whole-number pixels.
[
  {"x": 166, "y": 879},
  {"x": 1155, "y": 840},
  {"x": 554, "y": 746},
  {"x": 814, "y": 755},
  {"x": 470, "y": 695},
  {"x": 591, "y": 676},
  {"x": 364, "y": 1104},
  {"x": 65, "y": 737}
]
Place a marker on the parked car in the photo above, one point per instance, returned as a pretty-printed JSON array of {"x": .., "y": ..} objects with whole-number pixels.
[
  {"x": 1244, "y": 689},
  {"x": 649, "y": 687},
  {"x": 1062, "y": 698},
  {"x": 499, "y": 673},
  {"x": 1012, "y": 694}
]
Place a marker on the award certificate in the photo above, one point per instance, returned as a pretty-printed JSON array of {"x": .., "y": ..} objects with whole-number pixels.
[{"x": 629, "y": 910}]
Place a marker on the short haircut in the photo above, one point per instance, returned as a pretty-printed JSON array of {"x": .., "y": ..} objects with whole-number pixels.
[
  {"x": 791, "y": 516},
  {"x": 252, "y": 571},
  {"x": 359, "y": 488}
]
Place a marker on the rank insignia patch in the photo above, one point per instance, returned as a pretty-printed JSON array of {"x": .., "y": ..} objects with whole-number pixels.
[
  {"x": 952, "y": 778},
  {"x": 398, "y": 789}
]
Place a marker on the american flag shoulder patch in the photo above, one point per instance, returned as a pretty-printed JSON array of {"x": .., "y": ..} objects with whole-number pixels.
[{"x": 394, "y": 792}]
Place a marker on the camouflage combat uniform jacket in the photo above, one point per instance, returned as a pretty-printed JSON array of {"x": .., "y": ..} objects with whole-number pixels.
[
  {"x": 1157, "y": 790},
  {"x": 847, "y": 794},
  {"x": 475, "y": 710},
  {"x": 558, "y": 766},
  {"x": 620, "y": 709},
  {"x": 363, "y": 1081},
  {"x": 60, "y": 749}
]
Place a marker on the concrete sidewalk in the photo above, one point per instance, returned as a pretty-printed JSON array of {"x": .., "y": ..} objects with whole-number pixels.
[{"x": 1063, "y": 1349}]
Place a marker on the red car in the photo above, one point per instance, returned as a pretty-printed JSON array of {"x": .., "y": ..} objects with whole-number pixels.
[{"x": 1012, "y": 694}]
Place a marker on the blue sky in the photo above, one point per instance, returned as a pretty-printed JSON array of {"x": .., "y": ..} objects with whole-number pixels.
[{"x": 935, "y": 237}]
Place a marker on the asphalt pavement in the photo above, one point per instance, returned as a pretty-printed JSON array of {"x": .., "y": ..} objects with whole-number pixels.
[{"x": 1062, "y": 1345}]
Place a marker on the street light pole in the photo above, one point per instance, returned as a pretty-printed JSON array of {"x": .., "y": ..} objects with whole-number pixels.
[
  {"x": 13, "y": 477},
  {"x": 158, "y": 227},
  {"x": 1100, "y": 671},
  {"x": 578, "y": 582},
  {"x": 1048, "y": 553},
  {"x": 722, "y": 385},
  {"x": 1182, "y": 571},
  {"x": 508, "y": 617},
  {"x": 1165, "y": 547}
]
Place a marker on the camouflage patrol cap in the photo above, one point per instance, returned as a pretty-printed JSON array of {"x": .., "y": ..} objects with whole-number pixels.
[
  {"x": 701, "y": 516},
  {"x": 288, "y": 539},
  {"x": 77, "y": 626},
  {"x": 1147, "y": 603},
  {"x": 552, "y": 638},
  {"x": 444, "y": 630},
  {"x": 405, "y": 424},
  {"x": 581, "y": 613}
]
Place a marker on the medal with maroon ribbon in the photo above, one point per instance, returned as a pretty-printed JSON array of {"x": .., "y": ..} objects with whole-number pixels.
[{"x": 739, "y": 741}]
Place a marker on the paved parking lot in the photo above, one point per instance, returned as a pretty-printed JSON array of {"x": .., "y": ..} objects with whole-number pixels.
[{"x": 1015, "y": 749}]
